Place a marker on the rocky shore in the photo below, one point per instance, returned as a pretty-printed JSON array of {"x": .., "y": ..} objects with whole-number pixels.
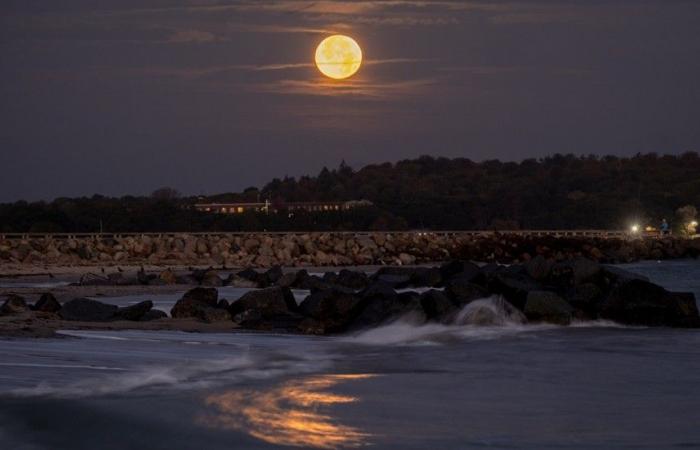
[
  {"x": 540, "y": 290},
  {"x": 330, "y": 249}
]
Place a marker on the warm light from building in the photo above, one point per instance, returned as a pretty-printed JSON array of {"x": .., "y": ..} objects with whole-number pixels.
[{"x": 634, "y": 228}]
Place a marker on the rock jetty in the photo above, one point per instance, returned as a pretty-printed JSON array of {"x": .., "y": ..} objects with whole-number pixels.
[
  {"x": 459, "y": 292},
  {"x": 330, "y": 249}
]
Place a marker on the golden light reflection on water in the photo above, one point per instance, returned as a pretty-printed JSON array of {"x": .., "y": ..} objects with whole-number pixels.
[{"x": 288, "y": 414}]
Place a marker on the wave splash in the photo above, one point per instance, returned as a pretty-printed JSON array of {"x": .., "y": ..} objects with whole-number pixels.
[{"x": 488, "y": 318}]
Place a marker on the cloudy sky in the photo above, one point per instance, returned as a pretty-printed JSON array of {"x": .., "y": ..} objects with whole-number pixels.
[{"x": 124, "y": 96}]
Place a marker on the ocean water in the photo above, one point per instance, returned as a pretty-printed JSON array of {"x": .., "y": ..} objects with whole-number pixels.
[{"x": 400, "y": 386}]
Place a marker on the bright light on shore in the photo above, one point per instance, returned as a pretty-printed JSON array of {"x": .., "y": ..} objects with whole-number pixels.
[{"x": 634, "y": 228}]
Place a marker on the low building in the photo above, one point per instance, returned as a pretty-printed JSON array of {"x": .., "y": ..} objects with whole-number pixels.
[{"x": 267, "y": 207}]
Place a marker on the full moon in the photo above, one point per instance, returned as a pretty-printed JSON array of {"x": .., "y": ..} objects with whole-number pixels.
[{"x": 338, "y": 57}]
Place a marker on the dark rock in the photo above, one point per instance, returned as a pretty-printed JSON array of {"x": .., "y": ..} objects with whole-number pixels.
[
  {"x": 311, "y": 282},
  {"x": 538, "y": 267},
  {"x": 462, "y": 291},
  {"x": 287, "y": 280},
  {"x": 639, "y": 302},
  {"x": 272, "y": 275},
  {"x": 437, "y": 306},
  {"x": 118, "y": 279},
  {"x": 153, "y": 314},
  {"x": 134, "y": 312},
  {"x": 574, "y": 271},
  {"x": 263, "y": 305},
  {"x": 396, "y": 281},
  {"x": 332, "y": 311},
  {"x": 545, "y": 306},
  {"x": 14, "y": 304},
  {"x": 586, "y": 297},
  {"x": 464, "y": 269},
  {"x": 223, "y": 304},
  {"x": 513, "y": 286},
  {"x": 249, "y": 274},
  {"x": 426, "y": 277},
  {"x": 352, "y": 279},
  {"x": 86, "y": 310},
  {"x": 168, "y": 277},
  {"x": 47, "y": 303},
  {"x": 194, "y": 301},
  {"x": 381, "y": 304},
  {"x": 207, "y": 296}
]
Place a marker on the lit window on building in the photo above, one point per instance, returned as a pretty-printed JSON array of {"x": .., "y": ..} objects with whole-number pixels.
[{"x": 240, "y": 209}]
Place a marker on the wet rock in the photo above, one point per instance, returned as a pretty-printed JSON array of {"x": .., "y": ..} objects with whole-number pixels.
[
  {"x": 331, "y": 310},
  {"x": 426, "y": 277},
  {"x": 437, "y": 306},
  {"x": 380, "y": 304},
  {"x": 250, "y": 274},
  {"x": 14, "y": 304},
  {"x": 287, "y": 280},
  {"x": 86, "y": 310},
  {"x": 134, "y": 312},
  {"x": 264, "y": 308},
  {"x": 513, "y": 286},
  {"x": 538, "y": 267},
  {"x": 194, "y": 301},
  {"x": 271, "y": 276},
  {"x": 461, "y": 291},
  {"x": 462, "y": 269},
  {"x": 153, "y": 314},
  {"x": 352, "y": 279},
  {"x": 47, "y": 303},
  {"x": 586, "y": 297},
  {"x": 639, "y": 302},
  {"x": 574, "y": 271},
  {"x": 545, "y": 306}
]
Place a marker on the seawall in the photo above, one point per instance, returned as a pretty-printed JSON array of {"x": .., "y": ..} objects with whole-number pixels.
[{"x": 333, "y": 249}]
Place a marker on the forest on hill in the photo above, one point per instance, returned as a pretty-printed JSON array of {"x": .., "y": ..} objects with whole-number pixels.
[{"x": 556, "y": 192}]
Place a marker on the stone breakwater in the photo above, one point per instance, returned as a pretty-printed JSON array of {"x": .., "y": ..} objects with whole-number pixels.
[
  {"x": 456, "y": 293},
  {"x": 330, "y": 249}
]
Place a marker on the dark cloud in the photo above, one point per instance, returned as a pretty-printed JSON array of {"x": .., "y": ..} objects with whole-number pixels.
[{"x": 123, "y": 96}]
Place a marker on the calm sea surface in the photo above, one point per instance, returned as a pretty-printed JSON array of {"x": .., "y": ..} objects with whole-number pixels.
[{"x": 401, "y": 386}]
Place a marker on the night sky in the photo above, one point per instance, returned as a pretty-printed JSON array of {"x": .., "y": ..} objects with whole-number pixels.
[{"x": 124, "y": 96}]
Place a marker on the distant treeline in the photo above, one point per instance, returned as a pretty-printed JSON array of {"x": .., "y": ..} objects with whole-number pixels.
[{"x": 560, "y": 191}]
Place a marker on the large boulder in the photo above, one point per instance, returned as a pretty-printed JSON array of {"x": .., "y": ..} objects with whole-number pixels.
[
  {"x": 87, "y": 310},
  {"x": 437, "y": 306},
  {"x": 47, "y": 303},
  {"x": 493, "y": 311},
  {"x": 639, "y": 302},
  {"x": 574, "y": 271},
  {"x": 330, "y": 310},
  {"x": 461, "y": 291},
  {"x": 269, "y": 308},
  {"x": 514, "y": 286},
  {"x": 462, "y": 269},
  {"x": 586, "y": 298},
  {"x": 381, "y": 304},
  {"x": 352, "y": 279},
  {"x": 194, "y": 301},
  {"x": 134, "y": 312},
  {"x": 545, "y": 306},
  {"x": 168, "y": 277},
  {"x": 426, "y": 277},
  {"x": 14, "y": 304},
  {"x": 538, "y": 267}
]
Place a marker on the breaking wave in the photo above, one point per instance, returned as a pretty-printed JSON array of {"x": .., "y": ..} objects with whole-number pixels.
[{"x": 488, "y": 318}]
